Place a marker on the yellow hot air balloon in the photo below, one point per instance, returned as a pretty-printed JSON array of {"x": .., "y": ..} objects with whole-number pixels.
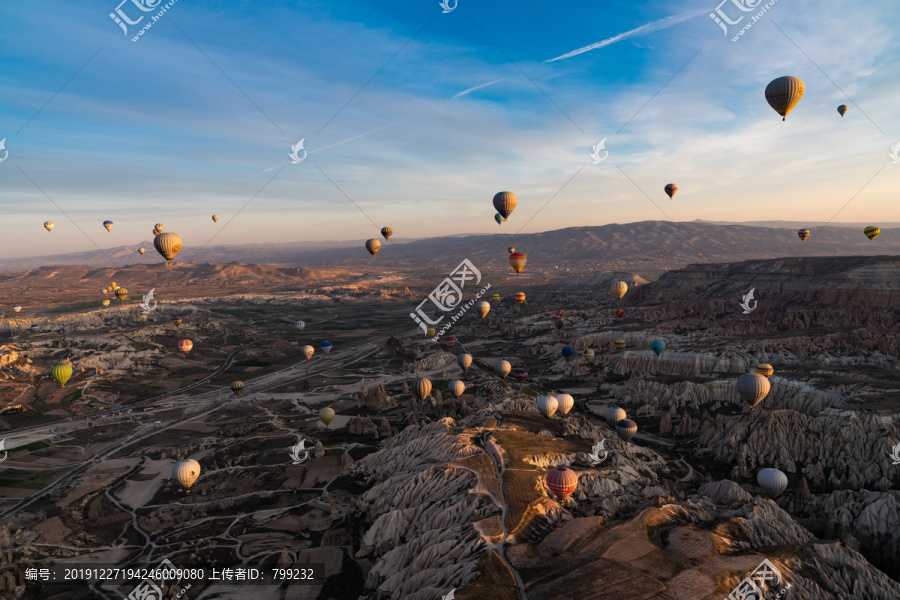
[
  {"x": 783, "y": 94},
  {"x": 113, "y": 284},
  {"x": 168, "y": 245},
  {"x": 483, "y": 308},
  {"x": 62, "y": 372},
  {"x": 140, "y": 250},
  {"x": 121, "y": 294},
  {"x": 326, "y": 415},
  {"x": 237, "y": 387},
  {"x": 49, "y": 225},
  {"x": 373, "y": 246},
  {"x": 430, "y": 333},
  {"x": 619, "y": 288},
  {"x": 105, "y": 303},
  {"x": 215, "y": 218},
  {"x": 496, "y": 297},
  {"x": 871, "y": 232},
  {"x": 765, "y": 370},
  {"x": 160, "y": 227},
  {"x": 186, "y": 473}
]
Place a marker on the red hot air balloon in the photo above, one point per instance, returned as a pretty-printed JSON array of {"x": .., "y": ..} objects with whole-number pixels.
[
  {"x": 671, "y": 188},
  {"x": 562, "y": 482},
  {"x": 450, "y": 340},
  {"x": 185, "y": 346},
  {"x": 517, "y": 261},
  {"x": 519, "y": 297},
  {"x": 620, "y": 312}
]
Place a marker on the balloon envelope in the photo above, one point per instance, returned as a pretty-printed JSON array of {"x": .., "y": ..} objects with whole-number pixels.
[
  {"x": 871, "y": 232},
  {"x": 671, "y": 188},
  {"x": 765, "y": 370},
  {"x": 421, "y": 388},
  {"x": 511, "y": 249},
  {"x": 519, "y": 374},
  {"x": 658, "y": 346},
  {"x": 49, "y": 226},
  {"x": 619, "y": 288},
  {"x": 803, "y": 234},
  {"x": 517, "y": 261},
  {"x": 373, "y": 246},
  {"x": 326, "y": 415},
  {"x": 299, "y": 325},
  {"x": 483, "y": 308},
  {"x": 501, "y": 368},
  {"x": 614, "y": 414},
  {"x": 430, "y": 333},
  {"x": 16, "y": 308},
  {"x": 237, "y": 387},
  {"x": 307, "y": 351},
  {"x": 168, "y": 245},
  {"x": 387, "y": 232},
  {"x": 842, "y": 109},
  {"x": 160, "y": 227},
  {"x": 620, "y": 312},
  {"x": 519, "y": 297},
  {"x": 456, "y": 388},
  {"x": 185, "y": 346},
  {"x": 505, "y": 203},
  {"x": 108, "y": 225},
  {"x": 141, "y": 250},
  {"x": 620, "y": 344},
  {"x": 121, "y": 294},
  {"x": 772, "y": 481},
  {"x": 547, "y": 405},
  {"x": 464, "y": 361},
  {"x": 215, "y": 218},
  {"x": 326, "y": 347},
  {"x": 61, "y": 373},
  {"x": 589, "y": 355},
  {"x": 568, "y": 353},
  {"x": 784, "y": 93},
  {"x": 752, "y": 387},
  {"x": 626, "y": 428},
  {"x": 565, "y": 402},
  {"x": 499, "y": 218},
  {"x": 186, "y": 472},
  {"x": 562, "y": 482},
  {"x": 496, "y": 297}
]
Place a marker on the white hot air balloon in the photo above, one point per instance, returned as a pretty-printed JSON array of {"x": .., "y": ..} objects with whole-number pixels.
[
  {"x": 456, "y": 388},
  {"x": 566, "y": 402},
  {"x": 772, "y": 481},
  {"x": 464, "y": 361},
  {"x": 614, "y": 414},
  {"x": 547, "y": 405},
  {"x": 502, "y": 368}
]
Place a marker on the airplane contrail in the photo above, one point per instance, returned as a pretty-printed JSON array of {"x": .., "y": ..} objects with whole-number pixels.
[
  {"x": 642, "y": 30},
  {"x": 477, "y": 87}
]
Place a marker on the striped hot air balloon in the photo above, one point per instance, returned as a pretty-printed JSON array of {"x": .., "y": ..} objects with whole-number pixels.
[
  {"x": 671, "y": 188},
  {"x": 519, "y": 374},
  {"x": 422, "y": 388},
  {"x": 784, "y": 93},
  {"x": 430, "y": 333},
  {"x": 752, "y": 387},
  {"x": 62, "y": 372},
  {"x": 456, "y": 387},
  {"x": 627, "y": 429},
  {"x": 519, "y": 297},
  {"x": 122, "y": 294},
  {"x": 619, "y": 288},
  {"x": 237, "y": 387},
  {"x": 620, "y": 344},
  {"x": 765, "y": 370},
  {"x": 185, "y": 346},
  {"x": 803, "y": 234},
  {"x": 48, "y": 225},
  {"x": 168, "y": 245},
  {"x": 505, "y": 203},
  {"x": 387, "y": 232},
  {"x": 547, "y": 405},
  {"x": 495, "y": 298},
  {"x": 299, "y": 325},
  {"x": 517, "y": 261},
  {"x": 562, "y": 482},
  {"x": 871, "y": 232},
  {"x": 772, "y": 481}
]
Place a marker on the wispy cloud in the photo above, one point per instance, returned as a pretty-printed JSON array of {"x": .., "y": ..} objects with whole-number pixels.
[
  {"x": 642, "y": 30},
  {"x": 477, "y": 87}
]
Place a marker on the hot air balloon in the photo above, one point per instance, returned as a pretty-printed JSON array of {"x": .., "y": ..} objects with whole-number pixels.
[
  {"x": 496, "y": 297},
  {"x": 803, "y": 234},
  {"x": 373, "y": 246},
  {"x": 299, "y": 325},
  {"x": 562, "y": 482},
  {"x": 558, "y": 322},
  {"x": 626, "y": 428},
  {"x": 450, "y": 341},
  {"x": 168, "y": 245},
  {"x": 176, "y": 321},
  {"x": 141, "y": 251},
  {"x": 105, "y": 291},
  {"x": 517, "y": 261},
  {"x": 387, "y": 232},
  {"x": 421, "y": 388},
  {"x": 62, "y": 372},
  {"x": 560, "y": 313},
  {"x": 842, "y": 109},
  {"x": 565, "y": 403},
  {"x": 516, "y": 310},
  {"x": 159, "y": 227},
  {"x": 185, "y": 473},
  {"x": 464, "y": 361},
  {"x": 519, "y": 374},
  {"x": 505, "y": 203},
  {"x": 568, "y": 353},
  {"x": 430, "y": 333},
  {"x": 772, "y": 481},
  {"x": 620, "y": 344},
  {"x": 237, "y": 387},
  {"x": 511, "y": 250},
  {"x": 620, "y": 312},
  {"x": 783, "y": 94},
  {"x": 326, "y": 415},
  {"x": 501, "y": 368},
  {"x": 215, "y": 218},
  {"x": 483, "y": 308},
  {"x": 519, "y": 297},
  {"x": 185, "y": 346},
  {"x": 765, "y": 370},
  {"x": 456, "y": 388},
  {"x": 155, "y": 232},
  {"x": 589, "y": 355},
  {"x": 658, "y": 346},
  {"x": 326, "y": 347},
  {"x": 307, "y": 351},
  {"x": 614, "y": 414},
  {"x": 121, "y": 294},
  {"x": 108, "y": 225},
  {"x": 752, "y": 387},
  {"x": 49, "y": 225},
  {"x": 871, "y": 232},
  {"x": 499, "y": 218},
  {"x": 619, "y": 288},
  {"x": 105, "y": 303},
  {"x": 671, "y": 188},
  {"x": 547, "y": 405},
  {"x": 17, "y": 307},
  {"x": 142, "y": 318},
  {"x": 113, "y": 285}
]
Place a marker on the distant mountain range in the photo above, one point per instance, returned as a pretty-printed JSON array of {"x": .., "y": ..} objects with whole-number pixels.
[{"x": 657, "y": 245}]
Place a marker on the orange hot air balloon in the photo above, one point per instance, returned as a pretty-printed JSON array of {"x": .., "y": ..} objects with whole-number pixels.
[
  {"x": 185, "y": 346},
  {"x": 784, "y": 93},
  {"x": 511, "y": 249},
  {"x": 519, "y": 297},
  {"x": 373, "y": 246},
  {"x": 155, "y": 231},
  {"x": 483, "y": 308},
  {"x": 517, "y": 261},
  {"x": 671, "y": 188},
  {"x": 562, "y": 482}
]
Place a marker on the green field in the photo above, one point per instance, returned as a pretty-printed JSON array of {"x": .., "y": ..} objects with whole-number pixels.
[{"x": 29, "y": 480}]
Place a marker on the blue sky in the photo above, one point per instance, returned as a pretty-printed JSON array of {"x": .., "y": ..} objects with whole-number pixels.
[{"x": 153, "y": 131}]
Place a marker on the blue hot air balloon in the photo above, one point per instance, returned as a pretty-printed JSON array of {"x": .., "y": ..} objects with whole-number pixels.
[
  {"x": 658, "y": 346},
  {"x": 568, "y": 353},
  {"x": 326, "y": 347}
]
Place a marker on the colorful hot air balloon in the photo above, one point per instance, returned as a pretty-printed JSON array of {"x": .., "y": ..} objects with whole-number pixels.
[
  {"x": 168, "y": 245},
  {"x": 614, "y": 414},
  {"x": 842, "y": 109},
  {"x": 620, "y": 312},
  {"x": 185, "y": 346},
  {"x": 588, "y": 355},
  {"x": 772, "y": 481},
  {"x": 141, "y": 251},
  {"x": 326, "y": 347},
  {"x": 186, "y": 473},
  {"x": 560, "y": 313},
  {"x": 501, "y": 368},
  {"x": 519, "y": 297},
  {"x": 62, "y": 372},
  {"x": 562, "y": 482},
  {"x": 237, "y": 387},
  {"x": 803, "y": 234},
  {"x": 619, "y": 288},
  {"x": 373, "y": 246},
  {"x": 456, "y": 387},
  {"x": 299, "y": 325},
  {"x": 765, "y": 370},
  {"x": 121, "y": 294},
  {"x": 108, "y": 225},
  {"x": 159, "y": 227},
  {"x": 871, "y": 232},
  {"x": 17, "y": 307},
  {"x": 307, "y": 351},
  {"x": 626, "y": 428},
  {"x": 155, "y": 232},
  {"x": 387, "y": 232},
  {"x": 464, "y": 361},
  {"x": 430, "y": 333},
  {"x": 422, "y": 388},
  {"x": 547, "y": 405},
  {"x": 671, "y": 188},
  {"x": 752, "y": 387},
  {"x": 519, "y": 374},
  {"x": 450, "y": 341},
  {"x": 496, "y": 297},
  {"x": 215, "y": 218},
  {"x": 658, "y": 346},
  {"x": 105, "y": 303},
  {"x": 568, "y": 353},
  {"x": 505, "y": 203},
  {"x": 482, "y": 308},
  {"x": 783, "y": 94},
  {"x": 565, "y": 403},
  {"x": 517, "y": 261},
  {"x": 326, "y": 415},
  {"x": 176, "y": 321},
  {"x": 499, "y": 218},
  {"x": 49, "y": 225},
  {"x": 620, "y": 344}
]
